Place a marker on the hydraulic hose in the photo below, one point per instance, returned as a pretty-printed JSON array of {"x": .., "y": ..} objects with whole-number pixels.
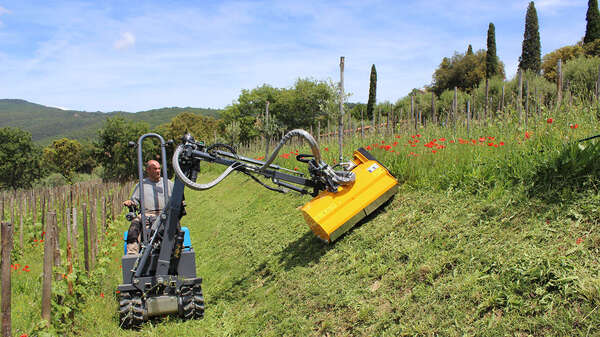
[
  {"x": 193, "y": 185},
  {"x": 339, "y": 177},
  {"x": 314, "y": 147}
]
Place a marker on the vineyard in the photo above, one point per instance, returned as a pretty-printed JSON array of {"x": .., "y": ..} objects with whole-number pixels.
[{"x": 494, "y": 232}]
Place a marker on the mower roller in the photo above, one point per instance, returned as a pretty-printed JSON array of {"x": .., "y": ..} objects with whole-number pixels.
[{"x": 162, "y": 280}]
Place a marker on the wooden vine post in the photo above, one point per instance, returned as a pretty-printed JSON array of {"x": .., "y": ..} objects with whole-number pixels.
[
  {"x": 341, "y": 118},
  {"x": 47, "y": 275},
  {"x": 7, "y": 244}
]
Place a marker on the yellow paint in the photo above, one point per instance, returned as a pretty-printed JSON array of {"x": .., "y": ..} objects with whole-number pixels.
[{"x": 329, "y": 214}]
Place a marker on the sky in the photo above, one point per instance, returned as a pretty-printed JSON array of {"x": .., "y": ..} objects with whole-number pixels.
[{"x": 140, "y": 55}]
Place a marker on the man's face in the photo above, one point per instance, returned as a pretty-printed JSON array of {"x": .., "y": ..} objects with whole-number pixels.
[{"x": 153, "y": 171}]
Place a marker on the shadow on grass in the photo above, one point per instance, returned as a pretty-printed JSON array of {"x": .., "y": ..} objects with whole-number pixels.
[
  {"x": 574, "y": 169},
  {"x": 309, "y": 249}
]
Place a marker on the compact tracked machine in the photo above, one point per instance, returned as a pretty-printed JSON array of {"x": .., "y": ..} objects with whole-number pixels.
[{"x": 162, "y": 279}]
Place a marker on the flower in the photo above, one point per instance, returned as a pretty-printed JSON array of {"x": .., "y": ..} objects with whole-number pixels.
[
  {"x": 102, "y": 295},
  {"x": 442, "y": 139},
  {"x": 501, "y": 143},
  {"x": 527, "y": 135},
  {"x": 368, "y": 147},
  {"x": 573, "y": 126},
  {"x": 579, "y": 241},
  {"x": 326, "y": 149},
  {"x": 549, "y": 120}
]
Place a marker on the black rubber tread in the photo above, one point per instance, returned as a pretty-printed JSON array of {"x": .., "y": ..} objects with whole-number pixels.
[
  {"x": 198, "y": 301},
  {"x": 187, "y": 300},
  {"x": 131, "y": 311}
]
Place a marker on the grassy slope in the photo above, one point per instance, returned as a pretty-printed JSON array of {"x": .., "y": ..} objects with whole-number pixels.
[{"x": 428, "y": 263}]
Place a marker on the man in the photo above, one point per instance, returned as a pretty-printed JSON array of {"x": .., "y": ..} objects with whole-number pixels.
[{"x": 154, "y": 202}]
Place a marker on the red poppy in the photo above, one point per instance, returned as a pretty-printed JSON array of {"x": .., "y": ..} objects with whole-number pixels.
[
  {"x": 387, "y": 147},
  {"x": 26, "y": 268},
  {"x": 549, "y": 120},
  {"x": 368, "y": 147},
  {"x": 326, "y": 149},
  {"x": 490, "y": 144},
  {"x": 418, "y": 136},
  {"x": 395, "y": 143},
  {"x": 579, "y": 241},
  {"x": 452, "y": 141},
  {"x": 442, "y": 139},
  {"x": 573, "y": 126},
  {"x": 434, "y": 151},
  {"x": 501, "y": 143},
  {"x": 527, "y": 135},
  {"x": 481, "y": 139},
  {"x": 491, "y": 138},
  {"x": 102, "y": 295}
]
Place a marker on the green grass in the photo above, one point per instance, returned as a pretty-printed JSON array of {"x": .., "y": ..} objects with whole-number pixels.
[{"x": 480, "y": 240}]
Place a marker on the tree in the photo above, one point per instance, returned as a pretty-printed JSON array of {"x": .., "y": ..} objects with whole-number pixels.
[
  {"x": 462, "y": 71},
  {"x": 65, "y": 155},
  {"x": 470, "y": 50},
  {"x": 372, "y": 92},
  {"x": 115, "y": 155},
  {"x": 20, "y": 159},
  {"x": 299, "y": 106},
  {"x": 531, "y": 54},
  {"x": 199, "y": 126},
  {"x": 248, "y": 108},
  {"x": 592, "y": 29},
  {"x": 550, "y": 60},
  {"x": 491, "y": 60}
]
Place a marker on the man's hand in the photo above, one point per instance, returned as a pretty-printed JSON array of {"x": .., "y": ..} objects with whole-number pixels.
[{"x": 128, "y": 203}]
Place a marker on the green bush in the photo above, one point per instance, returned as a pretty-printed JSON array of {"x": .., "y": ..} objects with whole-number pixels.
[{"x": 580, "y": 75}]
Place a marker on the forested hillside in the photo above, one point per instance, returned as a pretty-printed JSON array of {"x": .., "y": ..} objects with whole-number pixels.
[{"x": 47, "y": 123}]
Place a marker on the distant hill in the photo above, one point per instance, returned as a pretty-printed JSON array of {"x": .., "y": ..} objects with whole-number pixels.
[{"x": 47, "y": 123}]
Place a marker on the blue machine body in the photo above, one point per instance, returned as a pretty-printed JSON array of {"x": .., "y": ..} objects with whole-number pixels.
[{"x": 187, "y": 242}]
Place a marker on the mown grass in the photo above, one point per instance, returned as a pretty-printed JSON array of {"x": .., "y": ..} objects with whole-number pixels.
[{"x": 480, "y": 240}]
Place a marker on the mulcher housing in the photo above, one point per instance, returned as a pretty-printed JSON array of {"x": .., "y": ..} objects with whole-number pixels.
[{"x": 331, "y": 214}]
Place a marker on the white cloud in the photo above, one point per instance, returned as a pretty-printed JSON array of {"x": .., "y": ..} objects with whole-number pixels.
[{"x": 127, "y": 40}]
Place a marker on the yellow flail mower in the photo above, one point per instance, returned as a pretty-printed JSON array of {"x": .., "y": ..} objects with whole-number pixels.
[{"x": 341, "y": 197}]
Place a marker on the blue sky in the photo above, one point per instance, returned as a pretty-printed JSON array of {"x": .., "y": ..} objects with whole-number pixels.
[{"x": 138, "y": 55}]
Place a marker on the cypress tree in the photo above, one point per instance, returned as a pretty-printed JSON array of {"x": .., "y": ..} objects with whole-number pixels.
[
  {"x": 592, "y": 30},
  {"x": 372, "y": 92},
  {"x": 491, "y": 60},
  {"x": 531, "y": 56},
  {"x": 470, "y": 50}
]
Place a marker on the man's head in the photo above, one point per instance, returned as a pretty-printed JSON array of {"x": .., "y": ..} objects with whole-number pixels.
[{"x": 153, "y": 170}]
